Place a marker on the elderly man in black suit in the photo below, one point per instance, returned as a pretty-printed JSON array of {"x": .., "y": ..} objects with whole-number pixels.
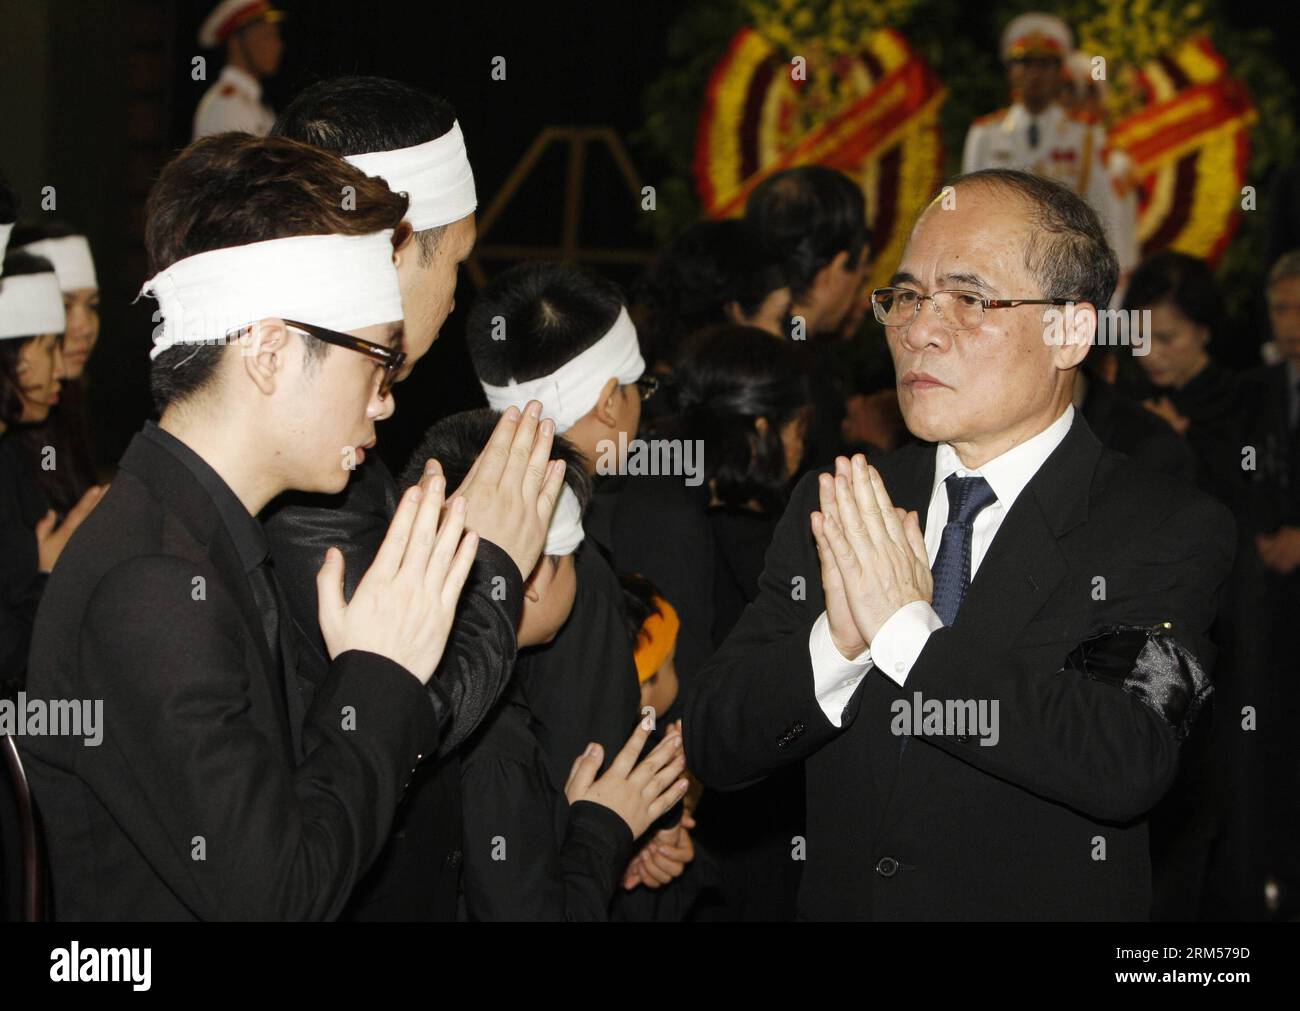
[{"x": 1029, "y": 605}]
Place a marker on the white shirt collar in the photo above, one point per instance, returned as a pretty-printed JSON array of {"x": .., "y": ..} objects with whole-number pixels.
[
  {"x": 1020, "y": 117},
  {"x": 1007, "y": 474},
  {"x": 242, "y": 80}
]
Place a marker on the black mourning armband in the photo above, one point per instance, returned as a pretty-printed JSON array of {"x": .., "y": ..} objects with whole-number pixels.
[{"x": 1149, "y": 664}]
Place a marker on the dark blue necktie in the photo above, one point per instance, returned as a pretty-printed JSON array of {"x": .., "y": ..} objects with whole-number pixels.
[
  {"x": 951, "y": 569},
  {"x": 1033, "y": 134}
]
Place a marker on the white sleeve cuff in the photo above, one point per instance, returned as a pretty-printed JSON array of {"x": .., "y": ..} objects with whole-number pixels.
[
  {"x": 900, "y": 639},
  {"x": 834, "y": 677}
]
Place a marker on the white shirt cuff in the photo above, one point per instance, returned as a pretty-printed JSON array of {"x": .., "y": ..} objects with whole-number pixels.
[
  {"x": 901, "y": 638},
  {"x": 834, "y": 677}
]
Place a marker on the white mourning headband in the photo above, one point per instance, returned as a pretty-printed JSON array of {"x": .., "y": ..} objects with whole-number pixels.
[
  {"x": 341, "y": 282},
  {"x": 565, "y": 532},
  {"x": 435, "y": 176},
  {"x": 30, "y": 305},
  {"x": 70, "y": 255},
  {"x": 572, "y": 390}
]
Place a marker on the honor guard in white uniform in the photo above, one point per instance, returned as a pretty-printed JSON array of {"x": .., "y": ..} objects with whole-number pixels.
[
  {"x": 250, "y": 31},
  {"x": 1036, "y": 133}
]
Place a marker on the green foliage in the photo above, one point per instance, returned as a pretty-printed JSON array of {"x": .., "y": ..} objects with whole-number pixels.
[{"x": 672, "y": 109}]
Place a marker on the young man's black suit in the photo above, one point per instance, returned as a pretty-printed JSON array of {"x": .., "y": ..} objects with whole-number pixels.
[
  {"x": 946, "y": 828},
  {"x": 196, "y": 805},
  {"x": 417, "y": 876}
]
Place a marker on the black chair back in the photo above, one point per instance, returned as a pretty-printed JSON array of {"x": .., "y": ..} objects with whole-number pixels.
[{"x": 22, "y": 850}]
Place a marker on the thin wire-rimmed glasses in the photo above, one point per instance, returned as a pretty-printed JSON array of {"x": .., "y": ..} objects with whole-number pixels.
[
  {"x": 390, "y": 360},
  {"x": 647, "y": 386},
  {"x": 960, "y": 310}
]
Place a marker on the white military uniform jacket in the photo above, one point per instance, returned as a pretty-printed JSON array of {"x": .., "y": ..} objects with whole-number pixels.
[
  {"x": 234, "y": 102},
  {"x": 1069, "y": 150}
]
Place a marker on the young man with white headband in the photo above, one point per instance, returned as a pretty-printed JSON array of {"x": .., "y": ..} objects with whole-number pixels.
[
  {"x": 561, "y": 335},
  {"x": 31, "y": 535},
  {"x": 565, "y": 846},
  {"x": 412, "y": 141},
  {"x": 228, "y": 786}
]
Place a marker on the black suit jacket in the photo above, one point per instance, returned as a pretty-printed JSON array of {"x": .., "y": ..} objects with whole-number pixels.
[
  {"x": 947, "y": 828},
  {"x": 417, "y": 876},
  {"x": 1124, "y": 425},
  {"x": 1273, "y": 498},
  {"x": 530, "y": 855},
  {"x": 192, "y": 807},
  {"x": 658, "y": 526}
]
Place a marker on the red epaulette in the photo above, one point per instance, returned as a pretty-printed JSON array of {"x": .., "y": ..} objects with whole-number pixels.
[{"x": 992, "y": 117}]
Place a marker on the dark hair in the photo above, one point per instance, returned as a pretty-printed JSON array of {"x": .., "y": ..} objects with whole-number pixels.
[
  {"x": 691, "y": 282},
  {"x": 552, "y": 312},
  {"x": 1068, "y": 250},
  {"x": 16, "y": 264},
  {"x": 731, "y": 376},
  {"x": 1184, "y": 280},
  {"x": 359, "y": 115},
  {"x": 638, "y": 604},
  {"x": 808, "y": 216},
  {"x": 456, "y": 442},
  {"x": 25, "y": 234},
  {"x": 232, "y": 189}
]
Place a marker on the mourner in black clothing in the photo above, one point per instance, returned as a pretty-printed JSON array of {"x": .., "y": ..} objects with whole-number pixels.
[
  {"x": 1121, "y": 423},
  {"x": 68, "y": 431},
  {"x": 32, "y": 534},
  {"x": 1203, "y": 402},
  {"x": 714, "y": 272},
  {"x": 966, "y": 570},
  {"x": 1200, "y": 399},
  {"x": 1272, "y": 521},
  {"x": 815, "y": 219},
  {"x": 417, "y": 876},
  {"x": 225, "y": 786},
  {"x": 531, "y": 851},
  {"x": 745, "y": 399},
  {"x": 563, "y": 336},
  {"x": 671, "y": 857}
]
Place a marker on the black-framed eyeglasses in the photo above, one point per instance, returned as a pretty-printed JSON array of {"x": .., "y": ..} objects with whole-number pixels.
[
  {"x": 389, "y": 359},
  {"x": 959, "y": 310},
  {"x": 647, "y": 386}
]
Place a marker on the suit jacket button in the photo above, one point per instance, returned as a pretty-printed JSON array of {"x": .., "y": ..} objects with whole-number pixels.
[{"x": 887, "y": 867}]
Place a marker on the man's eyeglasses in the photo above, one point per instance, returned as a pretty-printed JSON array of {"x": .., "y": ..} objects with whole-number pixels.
[
  {"x": 647, "y": 386},
  {"x": 389, "y": 359},
  {"x": 959, "y": 310}
]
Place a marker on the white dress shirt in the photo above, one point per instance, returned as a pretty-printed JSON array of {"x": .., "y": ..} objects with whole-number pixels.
[{"x": 902, "y": 637}]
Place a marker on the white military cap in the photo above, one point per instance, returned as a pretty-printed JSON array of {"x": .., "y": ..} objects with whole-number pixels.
[
  {"x": 231, "y": 15},
  {"x": 1037, "y": 34}
]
